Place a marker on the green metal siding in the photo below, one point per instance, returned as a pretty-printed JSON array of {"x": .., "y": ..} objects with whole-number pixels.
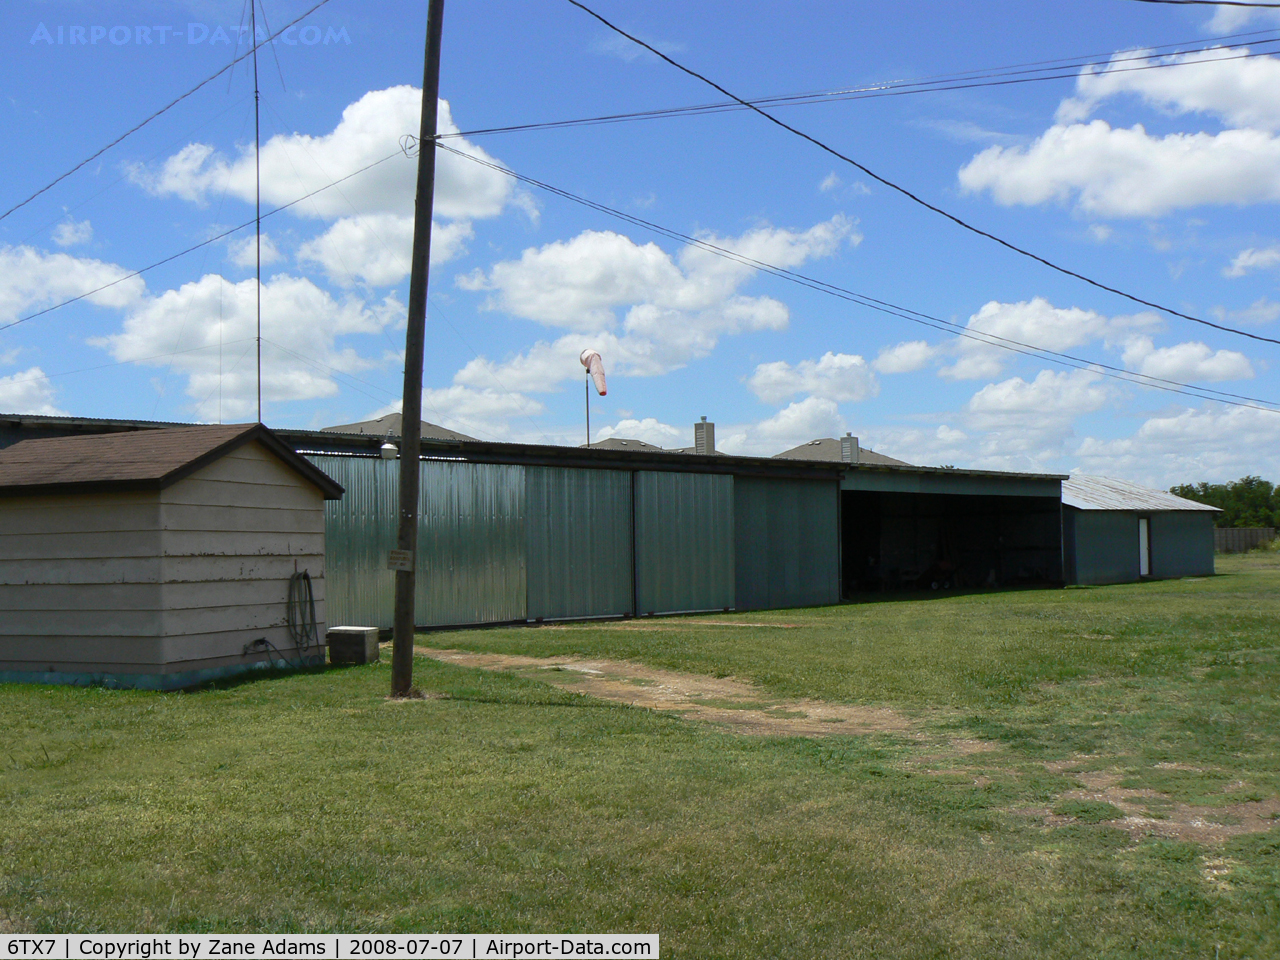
[
  {"x": 471, "y": 542},
  {"x": 684, "y": 533},
  {"x": 579, "y": 552},
  {"x": 1106, "y": 546},
  {"x": 904, "y": 481},
  {"x": 787, "y": 537},
  {"x": 1182, "y": 544}
]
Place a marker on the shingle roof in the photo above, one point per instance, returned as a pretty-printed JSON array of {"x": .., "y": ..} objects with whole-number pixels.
[
  {"x": 145, "y": 459},
  {"x": 828, "y": 448},
  {"x": 391, "y": 423},
  {"x": 1107, "y": 493}
]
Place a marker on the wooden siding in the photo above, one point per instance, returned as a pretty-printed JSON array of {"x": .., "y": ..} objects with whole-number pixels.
[
  {"x": 233, "y": 534},
  {"x": 159, "y": 582}
]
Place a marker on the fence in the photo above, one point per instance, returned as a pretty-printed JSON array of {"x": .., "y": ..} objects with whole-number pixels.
[{"x": 1241, "y": 539}]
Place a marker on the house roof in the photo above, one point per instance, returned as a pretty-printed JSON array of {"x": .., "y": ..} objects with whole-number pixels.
[
  {"x": 828, "y": 448},
  {"x": 618, "y": 443},
  {"x": 391, "y": 424},
  {"x": 137, "y": 460},
  {"x": 1107, "y": 493}
]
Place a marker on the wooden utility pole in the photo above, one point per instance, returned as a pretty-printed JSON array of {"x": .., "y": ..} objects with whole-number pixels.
[{"x": 414, "y": 344}]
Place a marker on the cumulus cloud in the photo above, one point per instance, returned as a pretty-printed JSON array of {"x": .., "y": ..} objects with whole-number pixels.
[
  {"x": 244, "y": 251},
  {"x": 31, "y": 279},
  {"x": 1127, "y": 172},
  {"x": 72, "y": 233},
  {"x": 1260, "y": 311},
  {"x": 650, "y": 430},
  {"x": 1027, "y": 423},
  {"x": 296, "y": 164},
  {"x": 1267, "y": 258},
  {"x": 1037, "y": 323},
  {"x": 1228, "y": 19},
  {"x": 836, "y": 376},
  {"x": 212, "y": 321},
  {"x": 1242, "y": 93},
  {"x": 377, "y": 249},
  {"x": 806, "y": 419},
  {"x": 29, "y": 392},
  {"x": 906, "y": 357},
  {"x": 1186, "y": 362},
  {"x": 673, "y": 309},
  {"x": 1186, "y": 445}
]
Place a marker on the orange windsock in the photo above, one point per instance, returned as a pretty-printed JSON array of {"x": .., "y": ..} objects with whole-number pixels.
[{"x": 595, "y": 366}]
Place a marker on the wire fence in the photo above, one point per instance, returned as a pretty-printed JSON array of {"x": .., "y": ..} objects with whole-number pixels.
[{"x": 1241, "y": 539}]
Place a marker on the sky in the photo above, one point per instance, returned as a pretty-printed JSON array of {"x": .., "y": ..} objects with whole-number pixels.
[{"x": 1162, "y": 183}]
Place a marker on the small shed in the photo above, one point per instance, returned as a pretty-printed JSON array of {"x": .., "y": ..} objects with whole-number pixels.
[
  {"x": 1115, "y": 531},
  {"x": 159, "y": 559}
]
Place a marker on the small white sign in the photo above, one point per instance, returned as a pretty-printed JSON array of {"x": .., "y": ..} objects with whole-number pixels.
[{"x": 400, "y": 560}]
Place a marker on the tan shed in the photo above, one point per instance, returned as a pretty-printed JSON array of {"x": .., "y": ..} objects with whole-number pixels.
[{"x": 159, "y": 559}]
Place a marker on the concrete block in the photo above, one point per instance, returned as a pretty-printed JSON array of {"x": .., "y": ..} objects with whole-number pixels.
[{"x": 352, "y": 644}]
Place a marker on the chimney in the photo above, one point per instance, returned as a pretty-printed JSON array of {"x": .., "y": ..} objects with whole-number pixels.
[
  {"x": 849, "y": 448},
  {"x": 704, "y": 437}
]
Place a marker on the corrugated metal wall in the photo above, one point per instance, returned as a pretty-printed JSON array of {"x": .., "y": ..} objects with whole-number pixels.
[
  {"x": 1106, "y": 546},
  {"x": 1182, "y": 544},
  {"x": 787, "y": 535},
  {"x": 471, "y": 542},
  {"x": 578, "y": 530},
  {"x": 684, "y": 533}
]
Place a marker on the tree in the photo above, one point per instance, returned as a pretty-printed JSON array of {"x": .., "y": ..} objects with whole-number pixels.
[{"x": 1247, "y": 502}]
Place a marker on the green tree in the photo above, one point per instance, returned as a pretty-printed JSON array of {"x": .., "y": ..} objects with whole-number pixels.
[{"x": 1247, "y": 502}]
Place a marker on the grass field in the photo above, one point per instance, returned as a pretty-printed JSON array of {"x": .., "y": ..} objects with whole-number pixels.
[{"x": 1088, "y": 773}]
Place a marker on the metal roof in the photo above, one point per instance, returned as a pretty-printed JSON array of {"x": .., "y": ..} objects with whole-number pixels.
[
  {"x": 1108, "y": 493},
  {"x": 137, "y": 460}
]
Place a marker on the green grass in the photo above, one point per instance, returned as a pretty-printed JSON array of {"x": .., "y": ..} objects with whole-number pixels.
[{"x": 309, "y": 802}]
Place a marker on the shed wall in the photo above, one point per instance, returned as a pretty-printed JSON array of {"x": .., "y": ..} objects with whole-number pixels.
[
  {"x": 684, "y": 531},
  {"x": 787, "y": 541},
  {"x": 1182, "y": 544},
  {"x": 1106, "y": 546},
  {"x": 471, "y": 542},
  {"x": 578, "y": 526}
]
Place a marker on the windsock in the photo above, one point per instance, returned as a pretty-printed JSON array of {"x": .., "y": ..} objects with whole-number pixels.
[{"x": 595, "y": 366}]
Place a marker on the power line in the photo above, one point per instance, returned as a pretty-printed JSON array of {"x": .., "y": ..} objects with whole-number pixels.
[
  {"x": 884, "y": 306},
  {"x": 911, "y": 196},
  {"x": 1069, "y": 69},
  {"x": 1214, "y": 3},
  {"x": 167, "y": 107},
  {"x": 194, "y": 247}
]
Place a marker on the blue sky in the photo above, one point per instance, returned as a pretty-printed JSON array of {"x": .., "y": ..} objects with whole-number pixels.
[{"x": 1161, "y": 182}]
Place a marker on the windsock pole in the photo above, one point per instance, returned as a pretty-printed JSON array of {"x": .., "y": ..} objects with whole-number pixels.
[{"x": 586, "y": 392}]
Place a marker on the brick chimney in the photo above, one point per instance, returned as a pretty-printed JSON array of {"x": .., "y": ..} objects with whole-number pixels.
[{"x": 704, "y": 437}]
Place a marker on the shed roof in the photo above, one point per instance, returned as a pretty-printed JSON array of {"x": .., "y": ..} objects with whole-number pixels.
[
  {"x": 1108, "y": 493},
  {"x": 137, "y": 460}
]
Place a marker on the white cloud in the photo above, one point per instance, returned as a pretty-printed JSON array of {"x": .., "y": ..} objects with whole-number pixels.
[
  {"x": 649, "y": 430},
  {"x": 807, "y": 419},
  {"x": 1127, "y": 172},
  {"x": 71, "y": 233},
  {"x": 1241, "y": 92},
  {"x": 906, "y": 357},
  {"x": 1259, "y": 312},
  {"x": 28, "y": 392},
  {"x": 836, "y": 376},
  {"x": 370, "y": 129},
  {"x": 1213, "y": 443},
  {"x": 1026, "y": 424},
  {"x": 830, "y": 182},
  {"x": 213, "y": 322},
  {"x": 377, "y": 249},
  {"x": 1186, "y": 362},
  {"x": 30, "y": 279},
  {"x": 1229, "y": 19},
  {"x": 676, "y": 308},
  {"x": 244, "y": 251},
  {"x": 483, "y": 413},
  {"x": 1036, "y": 323},
  {"x": 1266, "y": 259}
]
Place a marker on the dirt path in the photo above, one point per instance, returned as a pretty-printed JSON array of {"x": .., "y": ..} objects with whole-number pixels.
[{"x": 724, "y": 701}]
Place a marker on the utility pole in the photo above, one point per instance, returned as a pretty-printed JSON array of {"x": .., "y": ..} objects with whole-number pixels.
[
  {"x": 257, "y": 186},
  {"x": 414, "y": 344}
]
